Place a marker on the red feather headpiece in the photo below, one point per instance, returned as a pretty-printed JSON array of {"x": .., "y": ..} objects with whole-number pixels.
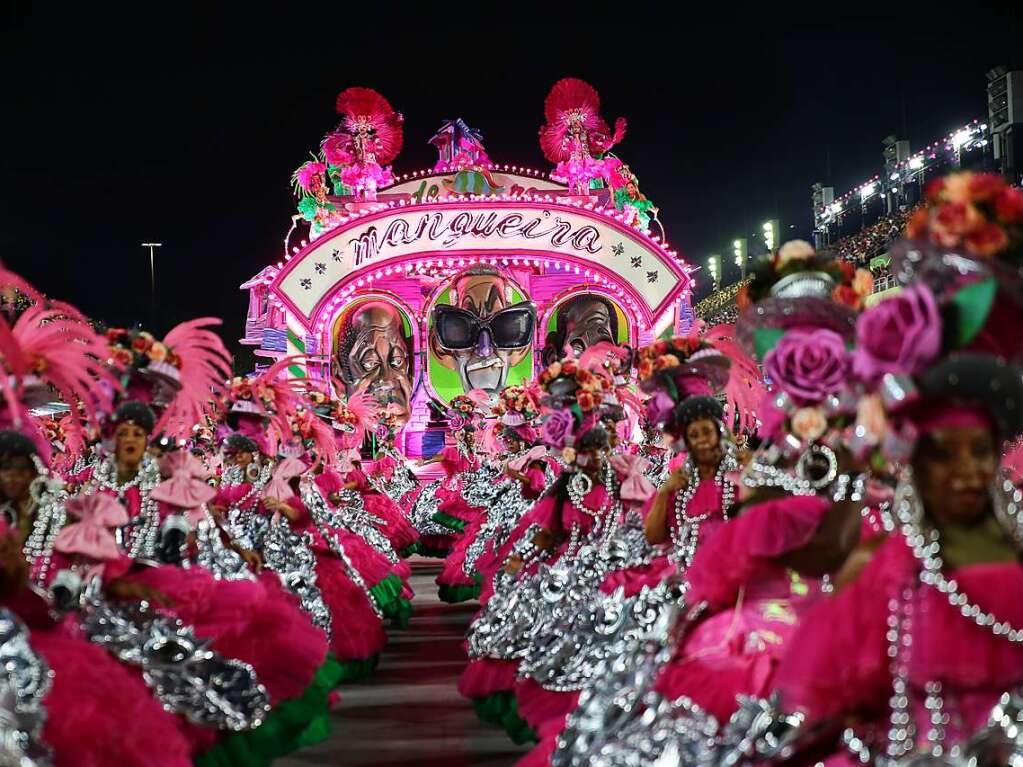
[
  {"x": 575, "y": 102},
  {"x": 364, "y": 108}
]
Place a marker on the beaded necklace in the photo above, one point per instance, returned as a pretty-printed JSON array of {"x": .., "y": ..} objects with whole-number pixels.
[
  {"x": 140, "y": 534},
  {"x": 685, "y": 533}
]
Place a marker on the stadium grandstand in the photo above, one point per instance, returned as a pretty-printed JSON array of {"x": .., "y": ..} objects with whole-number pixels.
[{"x": 862, "y": 223}]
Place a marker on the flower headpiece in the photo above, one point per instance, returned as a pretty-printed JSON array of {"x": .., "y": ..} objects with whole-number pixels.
[
  {"x": 686, "y": 377},
  {"x": 976, "y": 213},
  {"x": 466, "y": 410},
  {"x": 799, "y": 287},
  {"x": 517, "y": 405},
  {"x": 917, "y": 350},
  {"x": 181, "y": 377},
  {"x": 969, "y": 233},
  {"x": 574, "y": 400}
]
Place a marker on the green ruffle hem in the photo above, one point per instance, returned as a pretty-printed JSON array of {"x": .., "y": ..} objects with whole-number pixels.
[
  {"x": 502, "y": 709},
  {"x": 291, "y": 725},
  {"x": 387, "y": 595}
]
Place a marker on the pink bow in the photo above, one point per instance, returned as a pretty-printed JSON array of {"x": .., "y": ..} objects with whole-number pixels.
[
  {"x": 635, "y": 486},
  {"x": 91, "y": 536},
  {"x": 185, "y": 487},
  {"x": 520, "y": 464},
  {"x": 278, "y": 486}
]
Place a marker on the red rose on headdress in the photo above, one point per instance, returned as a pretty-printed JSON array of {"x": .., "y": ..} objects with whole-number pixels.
[
  {"x": 984, "y": 187},
  {"x": 140, "y": 343},
  {"x": 933, "y": 190},
  {"x": 569, "y": 367},
  {"x": 953, "y": 221},
  {"x": 121, "y": 356},
  {"x": 986, "y": 240},
  {"x": 646, "y": 369},
  {"x": 1009, "y": 206},
  {"x": 844, "y": 294},
  {"x": 848, "y": 270},
  {"x": 742, "y": 299}
]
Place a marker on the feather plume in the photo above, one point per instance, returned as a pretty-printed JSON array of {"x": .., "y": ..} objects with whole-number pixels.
[
  {"x": 205, "y": 366},
  {"x": 574, "y": 100},
  {"x": 365, "y": 105},
  {"x": 596, "y": 357},
  {"x": 745, "y": 388},
  {"x": 68, "y": 355}
]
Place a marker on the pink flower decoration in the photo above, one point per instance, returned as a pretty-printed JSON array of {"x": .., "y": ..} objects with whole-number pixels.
[
  {"x": 901, "y": 335},
  {"x": 808, "y": 364},
  {"x": 310, "y": 174},
  {"x": 557, "y": 428}
]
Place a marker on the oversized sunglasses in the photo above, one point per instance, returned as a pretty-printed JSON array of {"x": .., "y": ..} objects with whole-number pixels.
[{"x": 511, "y": 328}]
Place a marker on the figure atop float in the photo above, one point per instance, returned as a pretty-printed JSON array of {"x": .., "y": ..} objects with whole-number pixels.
[{"x": 419, "y": 287}]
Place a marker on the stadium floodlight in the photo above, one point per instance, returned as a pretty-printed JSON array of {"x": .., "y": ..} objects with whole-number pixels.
[
  {"x": 916, "y": 163},
  {"x": 867, "y": 190},
  {"x": 961, "y": 137},
  {"x": 771, "y": 231},
  {"x": 739, "y": 251},
  {"x": 714, "y": 267},
  {"x": 894, "y": 177},
  {"x": 835, "y": 208}
]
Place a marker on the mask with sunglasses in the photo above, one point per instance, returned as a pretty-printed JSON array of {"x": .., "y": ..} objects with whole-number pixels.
[{"x": 483, "y": 349}]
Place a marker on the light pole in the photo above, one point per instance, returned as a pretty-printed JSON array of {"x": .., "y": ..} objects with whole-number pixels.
[
  {"x": 739, "y": 251},
  {"x": 714, "y": 267},
  {"x": 152, "y": 279}
]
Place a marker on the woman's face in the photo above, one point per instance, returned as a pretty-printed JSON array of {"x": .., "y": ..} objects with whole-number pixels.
[
  {"x": 512, "y": 445},
  {"x": 242, "y": 459},
  {"x": 954, "y": 469},
  {"x": 129, "y": 444},
  {"x": 590, "y": 461},
  {"x": 16, "y": 474},
  {"x": 704, "y": 441}
]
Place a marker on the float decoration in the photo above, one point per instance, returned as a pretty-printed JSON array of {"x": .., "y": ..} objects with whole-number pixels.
[{"x": 469, "y": 275}]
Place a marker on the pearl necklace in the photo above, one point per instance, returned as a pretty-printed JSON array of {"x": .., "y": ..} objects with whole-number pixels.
[
  {"x": 926, "y": 548},
  {"x": 50, "y": 517},
  {"x": 579, "y": 486},
  {"x": 143, "y": 541},
  {"x": 685, "y": 533}
]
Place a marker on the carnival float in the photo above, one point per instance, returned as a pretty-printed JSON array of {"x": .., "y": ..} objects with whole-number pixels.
[{"x": 420, "y": 286}]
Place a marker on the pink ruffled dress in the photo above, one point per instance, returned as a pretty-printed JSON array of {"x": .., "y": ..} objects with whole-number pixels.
[
  {"x": 487, "y": 676},
  {"x": 838, "y": 665},
  {"x": 398, "y": 530},
  {"x": 357, "y": 632},
  {"x": 453, "y": 575},
  {"x": 754, "y": 604},
  {"x": 254, "y": 621},
  {"x": 371, "y": 564},
  {"x": 100, "y": 712},
  {"x": 706, "y": 500}
]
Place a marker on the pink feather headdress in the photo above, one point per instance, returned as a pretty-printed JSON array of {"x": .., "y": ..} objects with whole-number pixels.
[
  {"x": 573, "y": 102},
  {"x": 50, "y": 355},
  {"x": 204, "y": 368},
  {"x": 745, "y": 388},
  {"x": 266, "y": 404}
]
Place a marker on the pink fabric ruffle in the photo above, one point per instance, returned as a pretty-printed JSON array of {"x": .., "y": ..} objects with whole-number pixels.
[
  {"x": 100, "y": 713},
  {"x": 487, "y": 676},
  {"x": 544, "y": 710},
  {"x": 728, "y": 559},
  {"x": 357, "y": 631},
  {"x": 838, "y": 659},
  {"x": 256, "y": 622}
]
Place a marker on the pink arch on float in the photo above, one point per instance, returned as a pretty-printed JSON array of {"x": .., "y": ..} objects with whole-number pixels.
[{"x": 517, "y": 253}]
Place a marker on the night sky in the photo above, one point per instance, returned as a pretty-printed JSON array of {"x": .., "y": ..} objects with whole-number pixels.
[{"x": 184, "y": 128}]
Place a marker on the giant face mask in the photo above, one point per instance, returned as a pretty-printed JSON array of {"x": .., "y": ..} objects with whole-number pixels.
[
  {"x": 583, "y": 321},
  {"x": 482, "y": 335},
  {"x": 371, "y": 354}
]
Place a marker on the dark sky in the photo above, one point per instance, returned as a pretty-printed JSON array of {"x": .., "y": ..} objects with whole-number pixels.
[{"x": 184, "y": 127}]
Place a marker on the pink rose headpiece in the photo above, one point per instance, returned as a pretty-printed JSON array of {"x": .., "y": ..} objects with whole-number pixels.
[{"x": 686, "y": 376}]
